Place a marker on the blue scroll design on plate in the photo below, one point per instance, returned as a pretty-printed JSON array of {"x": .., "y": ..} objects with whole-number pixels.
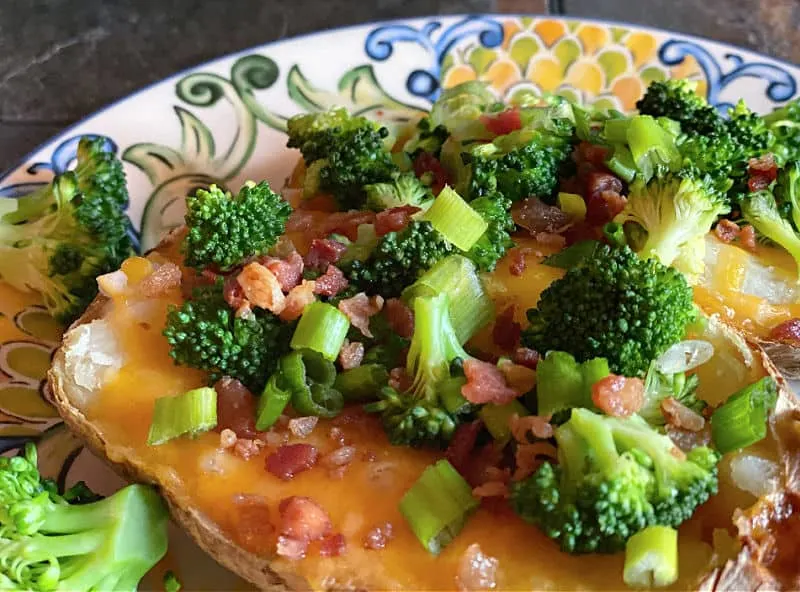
[
  {"x": 424, "y": 83},
  {"x": 781, "y": 84}
]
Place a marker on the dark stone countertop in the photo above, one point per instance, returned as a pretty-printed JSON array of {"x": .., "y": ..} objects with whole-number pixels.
[{"x": 60, "y": 60}]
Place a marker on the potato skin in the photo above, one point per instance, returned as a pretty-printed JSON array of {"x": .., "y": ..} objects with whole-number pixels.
[{"x": 746, "y": 572}]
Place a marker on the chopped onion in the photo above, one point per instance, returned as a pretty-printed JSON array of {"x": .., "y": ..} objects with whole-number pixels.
[
  {"x": 685, "y": 356},
  {"x": 754, "y": 474}
]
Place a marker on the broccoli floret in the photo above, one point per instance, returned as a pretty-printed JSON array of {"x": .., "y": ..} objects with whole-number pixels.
[
  {"x": 658, "y": 386},
  {"x": 787, "y": 192},
  {"x": 427, "y": 138},
  {"x": 426, "y": 414},
  {"x": 518, "y": 165},
  {"x": 673, "y": 211},
  {"x": 343, "y": 154},
  {"x": 784, "y": 123},
  {"x": 613, "y": 305},
  {"x": 224, "y": 230},
  {"x": 205, "y": 333},
  {"x": 677, "y": 100},
  {"x": 749, "y": 131},
  {"x": 399, "y": 259},
  {"x": 459, "y": 110},
  {"x": 494, "y": 243},
  {"x": 64, "y": 235},
  {"x": 614, "y": 478},
  {"x": 48, "y": 543},
  {"x": 761, "y": 211},
  {"x": 404, "y": 189}
]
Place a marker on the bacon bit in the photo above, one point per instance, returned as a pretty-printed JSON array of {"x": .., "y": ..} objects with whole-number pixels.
[
  {"x": 518, "y": 263},
  {"x": 618, "y": 396},
  {"x": 486, "y": 384},
  {"x": 331, "y": 282},
  {"x": 191, "y": 280},
  {"x": 303, "y": 519},
  {"x": 548, "y": 239},
  {"x": 582, "y": 231},
  {"x": 400, "y": 317},
  {"x": 476, "y": 570},
  {"x": 324, "y": 252},
  {"x": 747, "y": 238},
  {"x": 359, "y": 309},
  {"x": 347, "y": 223},
  {"x": 399, "y": 379},
  {"x": 321, "y": 202},
  {"x": 246, "y": 449},
  {"x": 506, "y": 331},
  {"x": 528, "y": 458},
  {"x": 505, "y": 122},
  {"x": 726, "y": 230},
  {"x": 394, "y": 219},
  {"x": 302, "y": 427},
  {"x": 261, "y": 287},
  {"x": 236, "y": 408},
  {"x": 297, "y": 300},
  {"x": 233, "y": 293},
  {"x": 351, "y": 355},
  {"x": 227, "y": 438},
  {"x": 787, "y": 332},
  {"x": 251, "y": 520},
  {"x": 428, "y": 163},
  {"x": 603, "y": 199},
  {"x": 482, "y": 464},
  {"x": 337, "y": 435},
  {"x": 378, "y": 537},
  {"x": 491, "y": 489},
  {"x": 520, "y": 378},
  {"x": 291, "y": 548},
  {"x": 274, "y": 439},
  {"x": 535, "y": 216},
  {"x": 762, "y": 164},
  {"x": 340, "y": 457},
  {"x": 288, "y": 271},
  {"x": 290, "y": 459},
  {"x": 761, "y": 172},
  {"x": 462, "y": 444},
  {"x": 538, "y": 426},
  {"x": 165, "y": 277},
  {"x": 680, "y": 416},
  {"x": 524, "y": 356},
  {"x": 333, "y": 545},
  {"x": 591, "y": 153}
]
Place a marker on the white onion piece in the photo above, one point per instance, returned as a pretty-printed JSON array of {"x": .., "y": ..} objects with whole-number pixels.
[
  {"x": 754, "y": 474},
  {"x": 111, "y": 284},
  {"x": 685, "y": 356}
]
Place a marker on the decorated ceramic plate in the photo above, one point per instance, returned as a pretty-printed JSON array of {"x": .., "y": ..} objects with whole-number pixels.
[{"x": 224, "y": 122}]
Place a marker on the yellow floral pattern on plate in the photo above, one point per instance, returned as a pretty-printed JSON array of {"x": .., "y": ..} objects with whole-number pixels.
[{"x": 604, "y": 65}]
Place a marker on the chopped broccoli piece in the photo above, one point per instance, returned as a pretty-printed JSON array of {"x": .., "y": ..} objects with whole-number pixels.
[
  {"x": 749, "y": 131},
  {"x": 224, "y": 230},
  {"x": 343, "y": 154},
  {"x": 205, "y": 333},
  {"x": 673, "y": 211},
  {"x": 404, "y": 189},
  {"x": 613, "y": 305},
  {"x": 562, "y": 383},
  {"x": 48, "y": 543},
  {"x": 399, "y": 259},
  {"x": 761, "y": 210},
  {"x": 784, "y": 123},
  {"x": 64, "y": 235},
  {"x": 428, "y": 138},
  {"x": 614, "y": 478},
  {"x": 494, "y": 243},
  {"x": 787, "y": 192},
  {"x": 658, "y": 386},
  {"x": 677, "y": 100}
]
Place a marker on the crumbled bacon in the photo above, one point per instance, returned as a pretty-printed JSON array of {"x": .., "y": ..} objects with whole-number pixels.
[
  {"x": 462, "y": 444},
  {"x": 261, "y": 287},
  {"x": 324, "y": 252},
  {"x": 491, "y": 489},
  {"x": 761, "y": 172},
  {"x": 428, "y": 163},
  {"x": 618, "y": 396},
  {"x": 522, "y": 427},
  {"x": 506, "y": 331},
  {"x": 582, "y": 231},
  {"x": 603, "y": 197},
  {"x": 339, "y": 457},
  {"x": 787, "y": 332},
  {"x": 535, "y": 216},
  {"x": 302, "y": 427},
  {"x": 287, "y": 271},
  {"x": 399, "y": 379},
  {"x": 360, "y": 308},
  {"x": 164, "y": 278},
  {"x": 486, "y": 384},
  {"x": 290, "y": 459},
  {"x": 300, "y": 220},
  {"x": 394, "y": 219},
  {"x": 520, "y": 379},
  {"x": 482, "y": 464},
  {"x": 518, "y": 264},
  {"x": 333, "y": 545},
  {"x": 347, "y": 223},
  {"x": 400, "y": 317},
  {"x": 351, "y": 355},
  {"x": 191, "y": 280},
  {"x": 236, "y": 408},
  {"x": 233, "y": 293},
  {"x": 593, "y": 154},
  {"x": 528, "y": 458},
  {"x": 524, "y": 356},
  {"x": 297, "y": 299},
  {"x": 680, "y": 416},
  {"x": 476, "y": 570},
  {"x": 747, "y": 237},
  {"x": 303, "y": 519},
  {"x": 331, "y": 282},
  {"x": 246, "y": 448},
  {"x": 378, "y": 537},
  {"x": 726, "y": 230}
]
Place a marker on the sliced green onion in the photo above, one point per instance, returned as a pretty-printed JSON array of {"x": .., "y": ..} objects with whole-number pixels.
[
  {"x": 615, "y": 131},
  {"x": 322, "y": 328},
  {"x": 651, "y": 558},
  {"x": 572, "y": 205},
  {"x": 497, "y": 417},
  {"x": 437, "y": 506},
  {"x": 458, "y": 223},
  {"x": 361, "y": 384},
  {"x": 615, "y": 234},
  {"x": 621, "y": 163},
  {"x": 449, "y": 391},
  {"x": 573, "y": 255},
  {"x": 273, "y": 401},
  {"x": 191, "y": 413},
  {"x": 310, "y": 377},
  {"x": 742, "y": 419},
  {"x": 470, "y": 305}
]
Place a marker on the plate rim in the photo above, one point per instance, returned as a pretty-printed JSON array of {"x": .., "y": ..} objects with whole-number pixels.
[{"x": 21, "y": 161}]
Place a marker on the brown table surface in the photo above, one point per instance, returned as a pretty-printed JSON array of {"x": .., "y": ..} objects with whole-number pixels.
[{"x": 60, "y": 60}]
